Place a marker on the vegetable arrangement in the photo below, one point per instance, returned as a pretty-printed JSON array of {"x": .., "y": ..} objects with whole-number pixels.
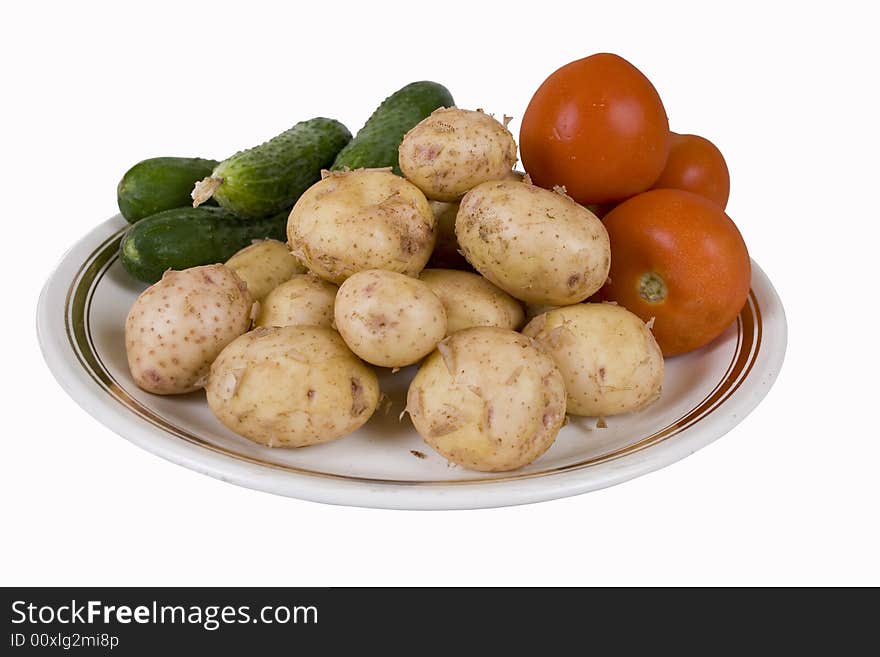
[{"x": 307, "y": 268}]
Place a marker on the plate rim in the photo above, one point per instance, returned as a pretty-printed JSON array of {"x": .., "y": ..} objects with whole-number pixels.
[{"x": 64, "y": 364}]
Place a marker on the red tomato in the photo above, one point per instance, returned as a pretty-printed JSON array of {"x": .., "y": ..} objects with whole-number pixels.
[
  {"x": 598, "y": 127},
  {"x": 696, "y": 165},
  {"x": 677, "y": 257}
]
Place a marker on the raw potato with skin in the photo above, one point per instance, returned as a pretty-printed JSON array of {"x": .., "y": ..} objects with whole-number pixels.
[
  {"x": 304, "y": 300},
  {"x": 364, "y": 219},
  {"x": 447, "y": 254},
  {"x": 389, "y": 319},
  {"x": 471, "y": 300},
  {"x": 538, "y": 246},
  {"x": 488, "y": 399},
  {"x": 607, "y": 355},
  {"x": 264, "y": 265},
  {"x": 454, "y": 150},
  {"x": 291, "y": 386},
  {"x": 176, "y": 328}
]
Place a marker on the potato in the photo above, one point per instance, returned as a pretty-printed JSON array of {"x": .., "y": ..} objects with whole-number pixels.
[
  {"x": 538, "y": 246},
  {"x": 176, "y": 328},
  {"x": 607, "y": 355},
  {"x": 304, "y": 300},
  {"x": 454, "y": 150},
  {"x": 389, "y": 319},
  {"x": 471, "y": 300},
  {"x": 447, "y": 254},
  {"x": 264, "y": 265},
  {"x": 364, "y": 219},
  {"x": 488, "y": 399},
  {"x": 291, "y": 386}
]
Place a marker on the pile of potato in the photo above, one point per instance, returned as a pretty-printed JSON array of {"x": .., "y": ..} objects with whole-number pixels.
[{"x": 285, "y": 337}]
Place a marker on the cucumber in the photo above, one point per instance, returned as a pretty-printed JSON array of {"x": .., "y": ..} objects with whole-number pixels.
[
  {"x": 271, "y": 177},
  {"x": 188, "y": 237},
  {"x": 160, "y": 183},
  {"x": 376, "y": 143}
]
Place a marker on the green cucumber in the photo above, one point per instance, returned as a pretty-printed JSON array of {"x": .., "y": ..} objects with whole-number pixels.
[
  {"x": 188, "y": 237},
  {"x": 160, "y": 183},
  {"x": 376, "y": 144},
  {"x": 271, "y": 177}
]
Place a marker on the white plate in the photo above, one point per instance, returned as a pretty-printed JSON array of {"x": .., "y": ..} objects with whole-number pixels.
[{"x": 386, "y": 464}]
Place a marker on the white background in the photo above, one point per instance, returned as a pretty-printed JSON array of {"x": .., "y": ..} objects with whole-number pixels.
[{"x": 787, "y": 91}]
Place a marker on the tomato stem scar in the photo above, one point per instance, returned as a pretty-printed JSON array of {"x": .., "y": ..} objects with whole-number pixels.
[{"x": 652, "y": 288}]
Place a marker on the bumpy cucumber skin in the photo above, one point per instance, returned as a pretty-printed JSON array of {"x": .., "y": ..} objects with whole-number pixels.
[
  {"x": 272, "y": 176},
  {"x": 188, "y": 237},
  {"x": 158, "y": 184},
  {"x": 376, "y": 143}
]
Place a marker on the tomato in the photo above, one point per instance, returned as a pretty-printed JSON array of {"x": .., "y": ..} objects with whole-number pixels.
[
  {"x": 677, "y": 257},
  {"x": 598, "y": 127},
  {"x": 696, "y": 165}
]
